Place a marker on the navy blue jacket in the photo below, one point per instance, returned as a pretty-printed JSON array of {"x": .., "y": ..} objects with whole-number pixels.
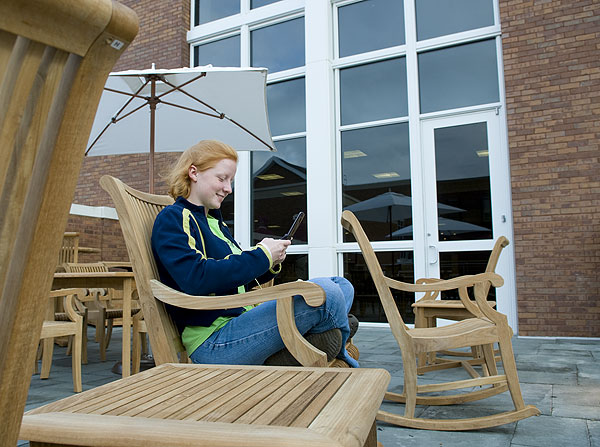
[{"x": 191, "y": 259}]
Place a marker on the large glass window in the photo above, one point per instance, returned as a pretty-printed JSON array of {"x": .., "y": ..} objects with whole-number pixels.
[
  {"x": 370, "y": 25},
  {"x": 287, "y": 107},
  {"x": 367, "y": 305},
  {"x": 463, "y": 182},
  {"x": 441, "y": 17},
  {"x": 209, "y": 10},
  {"x": 220, "y": 53},
  {"x": 454, "y": 264},
  {"x": 460, "y": 76},
  {"x": 279, "y": 178},
  {"x": 294, "y": 267},
  {"x": 373, "y": 91},
  {"x": 376, "y": 180},
  {"x": 278, "y": 47},
  {"x": 279, "y": 190}
]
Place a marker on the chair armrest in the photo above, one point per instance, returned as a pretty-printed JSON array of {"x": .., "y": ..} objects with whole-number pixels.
[
  {"x": 446, "y": 284},
  {"x": 481, "y": 292},
  {"x": 69, "y": 303},
  {"x": 430, "y": 296},
  {"x": 313, "y": 294}
]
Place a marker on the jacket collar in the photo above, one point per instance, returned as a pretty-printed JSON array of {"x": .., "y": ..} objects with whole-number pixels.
[{"x": 216, "y": 213}]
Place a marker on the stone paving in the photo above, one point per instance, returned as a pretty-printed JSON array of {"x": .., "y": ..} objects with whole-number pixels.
[{"x": 559, "y": 376}]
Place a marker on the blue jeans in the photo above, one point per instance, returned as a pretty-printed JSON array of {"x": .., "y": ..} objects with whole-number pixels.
[{"x": 253, "y": 336}]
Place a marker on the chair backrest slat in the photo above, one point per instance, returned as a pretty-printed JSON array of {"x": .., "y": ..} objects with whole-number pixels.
[
  {"x": 137, "y": 211},
  {"x": 83, "y": 267},
  {"x": 55, "y": 57},
  {"x": 351, "y": 223}
]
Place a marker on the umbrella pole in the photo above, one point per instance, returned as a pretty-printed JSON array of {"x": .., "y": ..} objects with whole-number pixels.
[{"x": 152, "y": 131}]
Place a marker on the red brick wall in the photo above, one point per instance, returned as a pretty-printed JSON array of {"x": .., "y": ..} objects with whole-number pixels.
[
  {"x": 162, "y": 36},
  {"x": 552, "y": 73}
]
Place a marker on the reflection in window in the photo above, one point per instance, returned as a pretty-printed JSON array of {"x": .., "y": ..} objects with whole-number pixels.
[
  {"x": 454, "y": 264},
  {"x": 376, "y": 180},
  {"x": 279, "y": 190},
  {"x": 463, "y": 181},
  {"x": 227, "y": 211},
  {"x": 460, "y": 76},
  {"x": 398, "y": 265},
  {"x": 278, "y": 47},
  {"x": 287, "y": 107},
  {"x": 209, "y": 10},
  {"x": 220, "y": 53},
  {"x": 258, "y": 3},
  {"x": 442, "y": 17},
  {"x": 357, "y": 22},
  {"x": 373, "y": 91},
  {"x": 294, "y": 267}
]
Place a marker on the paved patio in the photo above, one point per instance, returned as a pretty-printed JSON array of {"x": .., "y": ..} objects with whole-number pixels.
[{"x": 561, "y": 377}]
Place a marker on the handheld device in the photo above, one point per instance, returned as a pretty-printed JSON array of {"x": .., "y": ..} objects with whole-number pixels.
[{"x": 297, "y": 221}]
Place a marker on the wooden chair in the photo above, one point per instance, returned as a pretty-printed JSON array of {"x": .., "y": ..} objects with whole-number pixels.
[
  {"x": 137, "y": 211},
  {"x": 71, "y": 328},
  {"x": 55, "y": 56},
  {"x": 429, "y": 308},
  {"x": 485, "y": 327},
  {"x": 69, "y": 250},
  {"x": 82, "y": 311},
  {"x": 102, "y": 301}
]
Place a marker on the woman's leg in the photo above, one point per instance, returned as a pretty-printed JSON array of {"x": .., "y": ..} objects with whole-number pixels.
[{"x": 254, "y": 336}]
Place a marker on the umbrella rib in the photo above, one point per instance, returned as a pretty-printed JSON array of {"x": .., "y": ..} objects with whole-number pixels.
[
  {"x": 180, "y": 89},
  {"x": 221, "y": 116},
  {"x": 175, "y": 87},
  {"x": 114, "y": 119},
  {"x": 255, "y": 136}
]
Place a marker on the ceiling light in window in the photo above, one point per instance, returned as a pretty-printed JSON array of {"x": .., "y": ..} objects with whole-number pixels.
[
  {"x": 269, "y": 176},
  {"x": 292, "y": 193},
  {"x": 386, "y": 175},
  {"x": 273, "y": 226},
  {"x": 354, "y": 154},
  {"x": 483, "y": 153}
]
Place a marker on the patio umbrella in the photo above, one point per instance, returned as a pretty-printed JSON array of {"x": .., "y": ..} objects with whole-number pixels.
[
  {"x": 445, "y": 226},
  {"x": 170, "y": 110},
  {"x": 380, "y": 208}
]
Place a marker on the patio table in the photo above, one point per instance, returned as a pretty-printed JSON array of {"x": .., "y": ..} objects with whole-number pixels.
[
  {"x": 112, "y": 280},
  {"x": 215, "y": 405}
]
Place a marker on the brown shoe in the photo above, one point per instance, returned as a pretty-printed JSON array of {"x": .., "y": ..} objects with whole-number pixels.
[{"x": 330, "y": 342}]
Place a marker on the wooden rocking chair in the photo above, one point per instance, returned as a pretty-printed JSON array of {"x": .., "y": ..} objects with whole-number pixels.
[
  {"x": 137, "y": 211},
  {"x": 485, "y": 327}
]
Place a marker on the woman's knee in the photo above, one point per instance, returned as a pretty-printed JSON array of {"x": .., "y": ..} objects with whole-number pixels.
[{"x": 345, "y": 286}]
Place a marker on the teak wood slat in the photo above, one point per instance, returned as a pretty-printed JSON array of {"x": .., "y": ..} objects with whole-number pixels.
[
  {"x": 319, "y": 406},
  {"x": 55, "y": 56},
  {"x": 484, "y": 327}
]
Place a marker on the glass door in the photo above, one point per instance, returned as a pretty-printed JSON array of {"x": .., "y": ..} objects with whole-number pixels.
[{"x": 466, "y": 197}]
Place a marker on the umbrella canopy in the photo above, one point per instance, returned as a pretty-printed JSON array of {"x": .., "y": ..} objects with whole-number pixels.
[
  {"x": 446, "y": 226},
  {"x": 378, "y": 208},
  {"x": 170, "y": 110}
]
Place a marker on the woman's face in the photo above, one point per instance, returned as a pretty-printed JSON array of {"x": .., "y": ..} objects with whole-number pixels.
[{"x": 210, "y": 187}]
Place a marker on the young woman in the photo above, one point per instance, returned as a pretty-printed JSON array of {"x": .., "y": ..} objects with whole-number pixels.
[{"x": 196, "y": 254}]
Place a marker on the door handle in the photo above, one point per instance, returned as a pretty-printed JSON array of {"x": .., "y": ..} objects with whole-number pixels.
[{"x": 433, "y": 254}]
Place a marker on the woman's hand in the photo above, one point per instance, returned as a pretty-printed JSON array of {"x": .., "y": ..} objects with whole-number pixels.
[{"x": 277, "y": 247}]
